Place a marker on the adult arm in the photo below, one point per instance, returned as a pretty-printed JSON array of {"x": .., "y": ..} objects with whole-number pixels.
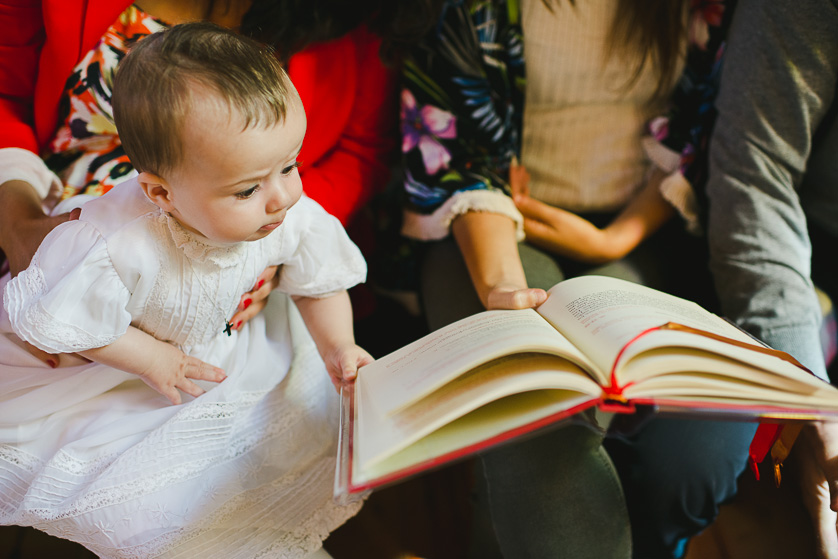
[
  {"x": 460, "y": 124},
  {"x": 562, "y": 232},
  {"x": 778, "y": 82},
  {"x": 487, "y": 242},
  {"x": 23, "y": 223}
]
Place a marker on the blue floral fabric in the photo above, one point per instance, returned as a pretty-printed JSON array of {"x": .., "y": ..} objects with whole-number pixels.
[{"x": 462, "y": 101}]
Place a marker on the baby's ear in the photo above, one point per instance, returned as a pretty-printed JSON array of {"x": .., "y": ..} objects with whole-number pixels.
[{"x": 157, "y": 190}]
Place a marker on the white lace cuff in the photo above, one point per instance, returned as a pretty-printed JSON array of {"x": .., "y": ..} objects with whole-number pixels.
[
  {"x": 23, "y": 165},
  {"x": 436, "y": 226},
  {"x": 33, "y": 324},
  {"x": 674, "y": 188}
]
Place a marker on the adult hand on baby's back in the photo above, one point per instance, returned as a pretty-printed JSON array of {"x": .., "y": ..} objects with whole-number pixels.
[
  {"x": 254, "y": 301},
  {"x": 26, "y": 237},
  {"x": 24, "y": 225}
]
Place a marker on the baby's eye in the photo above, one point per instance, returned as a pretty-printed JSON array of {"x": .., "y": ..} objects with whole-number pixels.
[
  {"x": 290, "y": 169},
  {"x": 245, "y": 194}
]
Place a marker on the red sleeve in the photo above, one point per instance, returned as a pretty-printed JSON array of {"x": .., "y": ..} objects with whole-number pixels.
[
  {"x": 358, "y": 165},
  {"x": 21, "y": 39}
]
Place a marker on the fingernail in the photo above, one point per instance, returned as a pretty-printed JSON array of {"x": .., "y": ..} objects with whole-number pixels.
[
  {"x": 260, "y": 283},
  {"x": 247, "y": 303},
  {"x": 52, "y": 363},
  {"x": 238, "y": 324}
]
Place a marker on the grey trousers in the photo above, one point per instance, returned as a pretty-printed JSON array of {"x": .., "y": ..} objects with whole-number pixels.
[{"x": 571, "y": 492}]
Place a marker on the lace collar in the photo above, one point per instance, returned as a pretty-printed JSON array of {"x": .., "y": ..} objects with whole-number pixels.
[{"x": 200, "y": 249}]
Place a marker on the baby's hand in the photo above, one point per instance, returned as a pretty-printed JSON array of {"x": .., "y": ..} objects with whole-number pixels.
[
  {"x": 343, "y": 363},
  {"x": 512, "y": 297},
  {"x": 171, "y": 370}
]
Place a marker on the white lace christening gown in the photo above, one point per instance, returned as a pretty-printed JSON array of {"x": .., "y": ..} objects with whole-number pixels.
[{"x": 93, "y": 454}]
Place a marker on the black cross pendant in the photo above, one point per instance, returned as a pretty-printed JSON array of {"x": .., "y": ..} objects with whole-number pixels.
[{"x": 228, "y": 329}]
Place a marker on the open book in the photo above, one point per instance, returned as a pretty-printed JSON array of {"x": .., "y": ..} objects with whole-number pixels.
[{"x": 596, "y": 342}]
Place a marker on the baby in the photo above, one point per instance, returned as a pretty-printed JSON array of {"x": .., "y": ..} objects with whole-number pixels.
[{"x": 142, "y": 285}]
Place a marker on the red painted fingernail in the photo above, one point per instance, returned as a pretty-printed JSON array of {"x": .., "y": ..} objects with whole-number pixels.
[
  {"x": 238, "y": 324},
  {"x": 52, "y": 363},
  {"x": 246, "y": 303},
  {"x": 260, "y": 283}
]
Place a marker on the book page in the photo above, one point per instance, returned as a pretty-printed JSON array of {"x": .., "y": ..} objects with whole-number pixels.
[
  {"x": 414, "y": 371},
  {"x": 380, "y": 435},
  {"x": 600, "y": 315},
  {"x": 662, "y": 351},
  {"x": 681, "y": 371},
  {"x": 477, "y": 428}
]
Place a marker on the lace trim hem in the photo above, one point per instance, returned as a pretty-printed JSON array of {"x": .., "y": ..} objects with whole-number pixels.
[{"x": 437, "y": 225}]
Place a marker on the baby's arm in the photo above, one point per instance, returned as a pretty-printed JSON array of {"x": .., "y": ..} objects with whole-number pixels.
[
  {"x": 329, "y": 320},
  {"x": 161, "y": 365},
  {"x": 565, "y": 233}
]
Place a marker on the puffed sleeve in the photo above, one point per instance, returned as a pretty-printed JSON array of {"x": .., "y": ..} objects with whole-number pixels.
[
  {"x": 70, "y": 298},
  {"x": 319, "y": 258}
]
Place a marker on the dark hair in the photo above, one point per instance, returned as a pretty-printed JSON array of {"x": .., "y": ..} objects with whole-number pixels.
[
  {"x": 651, "y": 31},
  {"x": 153, "y": 86},
  {"x": 654, "y": 31},
  {"x": 292, "y": 25}
]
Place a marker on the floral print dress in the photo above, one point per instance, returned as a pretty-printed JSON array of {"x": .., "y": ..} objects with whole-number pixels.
[
  {"x": 463, "y": 97},
  {"x": 86, "y": 152}
]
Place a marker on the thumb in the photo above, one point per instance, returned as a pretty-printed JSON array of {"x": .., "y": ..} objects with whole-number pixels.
[
  {"x": 48, "y": 358},
  {"x": 533, "y": 209}
]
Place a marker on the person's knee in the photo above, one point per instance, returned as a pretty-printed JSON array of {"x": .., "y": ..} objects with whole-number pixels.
[
  {"x": 540, "y": 268},
  {"x": 699, "y": 469}
]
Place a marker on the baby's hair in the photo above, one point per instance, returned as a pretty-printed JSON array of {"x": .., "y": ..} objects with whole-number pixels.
[{"x": 154, "y": 84}]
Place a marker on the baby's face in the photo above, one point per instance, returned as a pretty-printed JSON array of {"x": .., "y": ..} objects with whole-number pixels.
[{"x": 236, "y": 185}]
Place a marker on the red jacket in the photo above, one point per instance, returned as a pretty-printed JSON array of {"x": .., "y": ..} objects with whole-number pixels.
[{"x": 349, "y": 96}]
